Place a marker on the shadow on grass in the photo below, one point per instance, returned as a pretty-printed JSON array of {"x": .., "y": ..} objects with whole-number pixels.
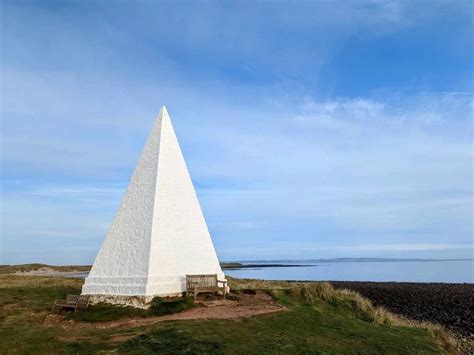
[
  {"x": 171, "y": 341},
  {"x": 103, "y": 312}
]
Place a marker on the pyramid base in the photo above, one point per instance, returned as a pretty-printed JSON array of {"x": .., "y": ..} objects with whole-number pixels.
[
  {"x": 125, "y": 286},
  {"x": 134, "y": 291},
  {"x": 142, "y": 302}
]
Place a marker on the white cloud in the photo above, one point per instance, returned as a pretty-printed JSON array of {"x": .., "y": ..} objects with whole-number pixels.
[{"x": 270, "y": 160}]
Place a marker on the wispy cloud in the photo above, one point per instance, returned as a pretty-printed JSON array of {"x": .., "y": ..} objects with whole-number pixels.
[
  {"x": 405, "y": 247},
  {"x": 277, "y": 149}
]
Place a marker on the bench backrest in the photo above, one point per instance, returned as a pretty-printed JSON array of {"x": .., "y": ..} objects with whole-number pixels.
[
  {"x": 72, "y": 299},
  {"x": 201, "y": 281},
  {"x": 82, "y": 302},
  {"x": 78, "y": 301}
]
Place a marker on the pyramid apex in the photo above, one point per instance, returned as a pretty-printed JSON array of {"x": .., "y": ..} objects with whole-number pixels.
[{"x": 163, "y": 111}]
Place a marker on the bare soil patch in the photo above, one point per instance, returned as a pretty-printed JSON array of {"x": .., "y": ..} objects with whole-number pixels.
[{"x": 247, "y": 305}]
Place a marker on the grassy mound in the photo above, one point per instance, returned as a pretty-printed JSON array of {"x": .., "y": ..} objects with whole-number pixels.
[
  {"x": 362, "y": 307},
  {"x": 310, "y": 293},
  {"x": 319, "y": 320}
]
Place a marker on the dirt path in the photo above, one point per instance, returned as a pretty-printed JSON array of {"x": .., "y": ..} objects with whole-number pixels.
[{"x": 246, "y": 306}]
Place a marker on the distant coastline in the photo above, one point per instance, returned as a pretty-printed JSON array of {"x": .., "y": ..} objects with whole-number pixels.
[
  {"x": 226, "y": 265},
  {"x": 238, "y": 265},
  {"x": 233, "y": 265},
  {"x": 39, "y": 269},
  {"x": 337, "y": 260}
]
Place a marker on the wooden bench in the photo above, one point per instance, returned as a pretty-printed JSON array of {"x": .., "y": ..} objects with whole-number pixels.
[
  {"x": 204, "y": 283},
  {"x": 74, "y": 302}
]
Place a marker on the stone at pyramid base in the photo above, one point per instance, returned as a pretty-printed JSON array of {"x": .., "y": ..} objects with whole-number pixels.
[
  {"x": 134, "y": 291},
  {"x": 143, "y": 302}
]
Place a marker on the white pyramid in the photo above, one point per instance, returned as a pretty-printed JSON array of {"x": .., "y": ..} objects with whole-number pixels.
[{"x": 159, "y": 233}]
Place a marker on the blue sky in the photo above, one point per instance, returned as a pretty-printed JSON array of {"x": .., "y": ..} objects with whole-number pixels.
[{"x": 311, "y": 129}]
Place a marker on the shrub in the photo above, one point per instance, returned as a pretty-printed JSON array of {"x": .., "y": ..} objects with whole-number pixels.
[
  {"x": 248, "y": 291},
  {"x": 232, "y": 297},
  {"x": 161, "y": 306},
  {"x": 103, "y": 312}
]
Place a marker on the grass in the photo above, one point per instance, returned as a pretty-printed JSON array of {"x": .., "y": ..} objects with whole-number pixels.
[
  {"x": 320, "y": 320},
  {"x": 308, "y": 293},
  {"x": 171, "y": 341},
  {"x": 104, "y": 312}
]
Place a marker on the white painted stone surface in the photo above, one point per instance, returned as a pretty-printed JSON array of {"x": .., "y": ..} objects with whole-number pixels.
[{"x": 159, "y": 233}]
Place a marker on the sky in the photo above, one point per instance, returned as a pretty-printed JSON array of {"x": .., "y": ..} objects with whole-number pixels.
[{"x": 311, "y": 129}]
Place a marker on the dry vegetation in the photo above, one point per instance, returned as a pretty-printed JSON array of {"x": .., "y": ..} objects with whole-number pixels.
[
  {"x": 310, "y": 292},
  {"x": 12, "y": 269},
  {"x": 320, "y": 319}
]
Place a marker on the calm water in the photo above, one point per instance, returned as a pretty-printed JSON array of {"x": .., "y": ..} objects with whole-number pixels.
[{"x": 458, "y": 271}]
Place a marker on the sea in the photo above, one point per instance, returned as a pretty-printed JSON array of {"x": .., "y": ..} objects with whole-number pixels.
[
  {"x": 383, "y": 270},
  {"x": 397, "y": 270}
]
